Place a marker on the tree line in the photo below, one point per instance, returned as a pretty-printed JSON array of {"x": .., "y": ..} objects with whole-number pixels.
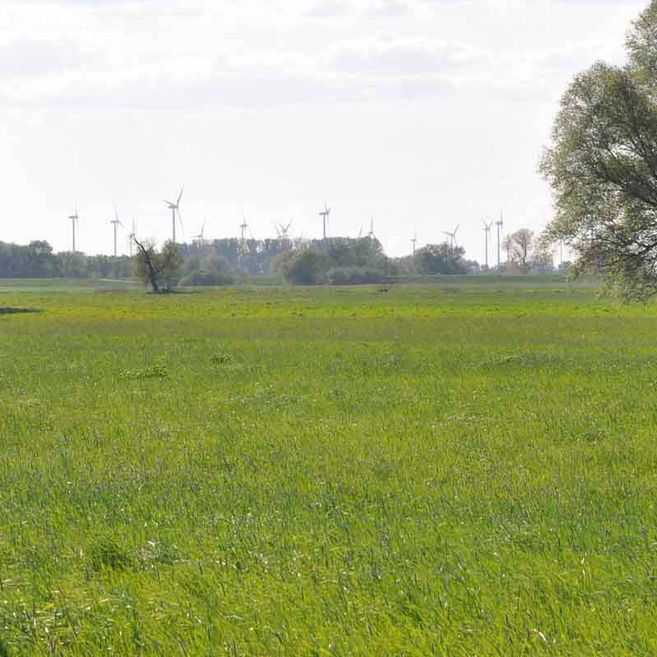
[
  {"x": 38, "y": 260},
  {"x": 334, "y": 261}
]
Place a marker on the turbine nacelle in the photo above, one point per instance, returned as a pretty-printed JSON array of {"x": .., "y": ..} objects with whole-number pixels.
[
  {"x": 452, "y": 235},
  {"x": 200, "y": 237}
]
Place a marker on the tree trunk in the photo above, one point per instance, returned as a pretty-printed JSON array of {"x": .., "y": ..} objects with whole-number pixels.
[{"x": 144, "y": 253}]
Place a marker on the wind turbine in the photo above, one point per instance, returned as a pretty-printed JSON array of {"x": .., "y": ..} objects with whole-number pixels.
[
  {"x": 452, "y": 236},
  {"x": 74, "y": 218},
  {"x": 241, "y": 249},
  {"x": 243, "y": 227},
  {"x": 116, "y": 222},
  {"x": 200, "y": 239},
  {"x": 283, "y": 230},
  {"x": 414, "y": 242},
  {"x": 133, "y": 234},
  {"x": 499, "y": 223},
  {"x": 371, "y": 233},
  {"x": 175, "y": 209},
  {"x": 324, "y": 214},
  {"x": 487, "y": 228}
]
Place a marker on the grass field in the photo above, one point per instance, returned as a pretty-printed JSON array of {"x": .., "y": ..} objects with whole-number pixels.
[{"x": 463, "y": 471}]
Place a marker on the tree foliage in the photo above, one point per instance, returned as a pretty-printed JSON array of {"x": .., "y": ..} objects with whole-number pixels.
[
  {"x": 336, "y": 261},
  {"x": 37, "y": 260},
  {"x": 602, "y": 166},
  {"x": 306, "y": 267},
  {"x": 207, "y": 269},
  {"x": 441, "y": 259}
]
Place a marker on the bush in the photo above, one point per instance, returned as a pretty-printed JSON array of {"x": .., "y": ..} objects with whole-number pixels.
[
  {"x": 305, "y": 267},
  {"x": 213, "y": 270},
  {"x": 205, "y": 277}
]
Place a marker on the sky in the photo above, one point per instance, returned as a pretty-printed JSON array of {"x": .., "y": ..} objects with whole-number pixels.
[{"x": 420, "y": 115}]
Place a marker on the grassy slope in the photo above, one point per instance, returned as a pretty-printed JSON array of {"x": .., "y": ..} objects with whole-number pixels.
[{"x": 440, "y": 471}]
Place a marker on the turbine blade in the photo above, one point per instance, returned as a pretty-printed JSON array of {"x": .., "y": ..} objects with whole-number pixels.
[{"x": 180, "y": 195}]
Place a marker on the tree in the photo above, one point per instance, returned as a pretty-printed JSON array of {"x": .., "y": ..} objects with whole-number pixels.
[
  {"x": 159, "y": 270},
  {"x": 441, "y": 259},
  {"x": 73, "y": 264},
  {"x": 602, "y": 166},
  {"x": 207, "y": 270},
  {"x": 519, "y": 246},
  {"x": 306, "y": 267}
]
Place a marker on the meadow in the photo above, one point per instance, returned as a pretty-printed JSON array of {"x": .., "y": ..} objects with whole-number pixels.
[{"x": 454, "y": 470}]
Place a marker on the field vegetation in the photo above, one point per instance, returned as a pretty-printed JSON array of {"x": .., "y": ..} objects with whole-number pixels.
[{"x": 454, "y": 470}]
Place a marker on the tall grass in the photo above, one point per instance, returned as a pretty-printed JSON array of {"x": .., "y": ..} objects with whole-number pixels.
[{"x": 433, "y": 471}]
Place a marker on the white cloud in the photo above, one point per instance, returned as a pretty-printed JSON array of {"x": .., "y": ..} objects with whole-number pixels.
[{"x": 389, "y": 9}]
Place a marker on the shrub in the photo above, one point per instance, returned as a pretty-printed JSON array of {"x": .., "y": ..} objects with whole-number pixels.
[
  {"x": 205, "y": 277},
  {"x": 306, "y": 267}
]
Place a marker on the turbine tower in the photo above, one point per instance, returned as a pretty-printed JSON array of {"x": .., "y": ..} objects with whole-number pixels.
[
  {"x": 487, "y": 228},
  {"x": 324, "y": 214},
  {"x": 414, "y": 242},
  {"x": 175, "y": 210},
  {"x": 74, "y": 218},
  {"x": 499, "y": 223},
  {"x": 131, "y": 237},
  {"x": 452, "y": 236},
  {"x": 241, "y": 249},
  {"x": 371, "y": 233},
  {"x": 116, "y": 222}
]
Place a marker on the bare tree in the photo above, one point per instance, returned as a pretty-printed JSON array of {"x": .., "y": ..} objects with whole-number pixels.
[
  {"x": 159, "y": 270},
  {"x": 519, "y": 247}
]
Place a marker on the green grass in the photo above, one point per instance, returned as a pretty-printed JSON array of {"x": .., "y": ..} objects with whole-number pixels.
[
  {"x": 37, "y": 285},
  {"x": 459, "y": 471}
]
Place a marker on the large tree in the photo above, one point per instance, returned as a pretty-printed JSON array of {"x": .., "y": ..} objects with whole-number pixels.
[
  {"x": 602, "y": 166},
  {"x": 441, "y": 259}
]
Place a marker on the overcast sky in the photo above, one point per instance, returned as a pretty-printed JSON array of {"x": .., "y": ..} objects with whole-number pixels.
[{"x": 420, "y": 113}]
